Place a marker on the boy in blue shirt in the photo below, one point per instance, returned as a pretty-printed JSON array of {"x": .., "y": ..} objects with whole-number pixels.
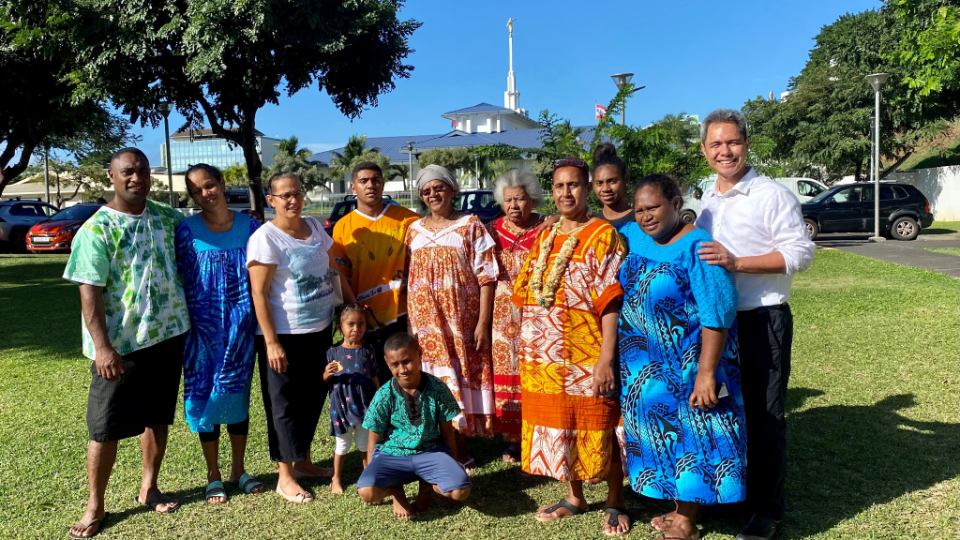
[{"x": 411, "y": 435}]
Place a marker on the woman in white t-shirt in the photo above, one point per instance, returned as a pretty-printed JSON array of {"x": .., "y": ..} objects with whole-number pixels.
[{"x": 294, "y": 301}]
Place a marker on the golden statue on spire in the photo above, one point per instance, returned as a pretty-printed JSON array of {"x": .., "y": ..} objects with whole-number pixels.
[{"x": 510, "y": 25}]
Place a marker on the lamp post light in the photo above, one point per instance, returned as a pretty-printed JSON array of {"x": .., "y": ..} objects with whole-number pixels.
[
  {"x": 621, "y": 80},
  {"x": 476, "y": 170},
  {"x": 876, "y": 81},
  {"x": 165, "y": 111}
]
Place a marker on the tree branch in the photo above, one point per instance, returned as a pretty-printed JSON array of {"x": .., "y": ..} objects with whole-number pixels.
[
  {"x": 896, "y": 165},
  {"x": 9, "y": 173},
  {"x": 216, "y": 126}
]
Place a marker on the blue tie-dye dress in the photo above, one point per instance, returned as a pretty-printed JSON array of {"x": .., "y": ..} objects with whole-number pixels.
[
  {"x": 218, "y": 354},
  {"x": 672, "y": 451}
]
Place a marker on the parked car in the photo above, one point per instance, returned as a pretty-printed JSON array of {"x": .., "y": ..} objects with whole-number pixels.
[
  {"x": 850, "y": 208},
  {"x": 16, "y": 218},
  {"x": 55, "y": 234},
  {"x": 804, "y": 188},
  {"x": 481, "y": 204},
  {"x": 344, "y": 207}
]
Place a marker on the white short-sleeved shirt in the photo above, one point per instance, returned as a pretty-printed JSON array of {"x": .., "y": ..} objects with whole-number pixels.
[{"x": 301, "y": 295}]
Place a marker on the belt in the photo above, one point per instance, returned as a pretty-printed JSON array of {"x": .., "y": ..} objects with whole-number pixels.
[{"x": 766, "y": 309}]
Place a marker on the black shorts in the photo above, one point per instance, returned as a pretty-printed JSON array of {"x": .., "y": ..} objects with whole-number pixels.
[{"x": 145, "y": 395}]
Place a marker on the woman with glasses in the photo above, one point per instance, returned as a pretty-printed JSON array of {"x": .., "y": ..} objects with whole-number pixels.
[
  {"x": 294, "y": 297},
  {"x": 610, "y": 179},
  {"x": 450, "y": 285},
  {"x": 518, "y": 193},
  {"x": 569, "y": 298},
  {"x": 218, "y": 354}
]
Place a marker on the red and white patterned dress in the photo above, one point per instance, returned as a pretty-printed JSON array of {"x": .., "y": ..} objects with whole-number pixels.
[
  {"x": 512, "y": 251},
  {"x": 447, "y": 268}
]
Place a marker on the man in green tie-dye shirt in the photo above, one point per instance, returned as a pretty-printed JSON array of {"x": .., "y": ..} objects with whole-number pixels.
[{"x": 134, "y": 315}]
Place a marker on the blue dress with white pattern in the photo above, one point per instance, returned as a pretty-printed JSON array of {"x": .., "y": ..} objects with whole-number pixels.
[
  {"x": 218, "y": 357},
  {"x": 351, "y": 389},
  {"x": 672, "y": 451}
]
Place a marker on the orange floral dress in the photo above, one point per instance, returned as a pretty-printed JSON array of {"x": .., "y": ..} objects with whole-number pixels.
[
  {"x": 568, "y": 434},
  {"x": 511, "y": 251},
  {"x": 447, "y": 269}
]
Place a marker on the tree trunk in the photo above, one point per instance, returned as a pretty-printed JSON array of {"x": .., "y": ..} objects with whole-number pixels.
[
  {"x": 8, "y": 174},
  {"x": 896, "y": 165},
  {"x": 856, "y": 174},
  {"x": 254, "y": 163}
]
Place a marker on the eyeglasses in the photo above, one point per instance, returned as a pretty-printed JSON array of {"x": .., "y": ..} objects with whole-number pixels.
[
  {"x": 299, "y": 195},
  {"x": 569, "y": 162}
]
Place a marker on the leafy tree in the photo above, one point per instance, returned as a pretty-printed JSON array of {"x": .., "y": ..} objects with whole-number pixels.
[
  {"x": 681, "y": 130},
  {"x": 452, "y": 159},
  {"x": 310, "y": 174},
  {"x": 824, "y": 126},
  {"x": 559, "y": 139},
  {"x": 235, "y": 175},
  {"x": 340, "y": 165},
  {"x": 220, "y": 61},
  {"x": 403, "y": 171},
  {"x": 39, "y": 107},
  {"x": 371, "y": 155},
  {"x": 291, "y": 148},
  {"x": 929, "y": 51}
]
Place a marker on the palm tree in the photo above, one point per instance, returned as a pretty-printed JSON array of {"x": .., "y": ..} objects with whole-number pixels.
[
  {"x": 356, "y": 146},
  {"x": 399, "y": 170},
  {"x": 289, "y": 147}
]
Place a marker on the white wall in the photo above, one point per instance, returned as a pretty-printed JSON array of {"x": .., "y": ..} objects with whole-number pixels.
[{"x": 940, "y": 185}]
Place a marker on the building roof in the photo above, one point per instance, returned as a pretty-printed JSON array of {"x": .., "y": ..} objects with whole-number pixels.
[
  {"x": 479, "y": 108},
  {"x": 205, "y": 133},
  {"x": 391, "y": 146}
]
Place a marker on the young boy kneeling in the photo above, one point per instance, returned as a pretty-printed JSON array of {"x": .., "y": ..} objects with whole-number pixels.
[{"x": 411, "y": 435}]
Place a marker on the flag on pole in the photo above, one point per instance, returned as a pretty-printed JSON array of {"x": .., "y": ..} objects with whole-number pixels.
[{"x": 600, "y": 110}]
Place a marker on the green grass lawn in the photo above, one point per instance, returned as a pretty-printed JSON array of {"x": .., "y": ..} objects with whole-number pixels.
[
  {"x": 942, "y": 227},
  {"x": 945, "y": 251},
  {"x": 873, "y": 431}
]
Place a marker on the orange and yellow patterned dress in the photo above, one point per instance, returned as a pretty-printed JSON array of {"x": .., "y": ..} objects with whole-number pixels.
[
  {"x": 567, "y": 433},
  {"x": 447, "y": 269},
  {"x": 512, "y": 251}
]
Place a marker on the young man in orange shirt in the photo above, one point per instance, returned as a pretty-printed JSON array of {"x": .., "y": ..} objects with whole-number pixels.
[{"x": 369, "y": 250}]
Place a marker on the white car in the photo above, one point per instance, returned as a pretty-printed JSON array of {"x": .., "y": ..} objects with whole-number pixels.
[{"x": 805, "y": 190}]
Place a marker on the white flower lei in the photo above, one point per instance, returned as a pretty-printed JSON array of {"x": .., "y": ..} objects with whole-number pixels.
[{"x": 545, "y": 294}]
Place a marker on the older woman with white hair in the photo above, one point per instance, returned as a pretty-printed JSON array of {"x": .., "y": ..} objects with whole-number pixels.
[
  {"x": 518, "y": 194},
  {"x": 450, "y": 284}
]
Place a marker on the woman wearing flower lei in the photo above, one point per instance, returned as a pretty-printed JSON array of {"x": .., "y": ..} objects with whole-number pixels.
[{"x": 570, "y": 297}]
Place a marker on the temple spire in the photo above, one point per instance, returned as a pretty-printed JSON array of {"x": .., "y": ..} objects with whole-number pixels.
[{"x": 511, "y": 98}]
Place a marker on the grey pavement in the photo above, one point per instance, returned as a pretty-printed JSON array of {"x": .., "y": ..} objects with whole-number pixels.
[{"x": 913, "y": 253}]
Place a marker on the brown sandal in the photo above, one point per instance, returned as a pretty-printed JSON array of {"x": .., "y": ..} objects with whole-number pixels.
[{"x": 95, "y": 521}]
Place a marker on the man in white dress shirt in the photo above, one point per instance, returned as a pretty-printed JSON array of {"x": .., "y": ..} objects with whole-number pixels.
[{"x": 760, "y": 237}]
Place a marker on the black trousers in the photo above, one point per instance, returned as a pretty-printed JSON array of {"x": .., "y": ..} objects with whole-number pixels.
[
  {"x": 766, "y": 338},
  {"x": 293, "y": 400},
  {"x": 377, "y": 338}
]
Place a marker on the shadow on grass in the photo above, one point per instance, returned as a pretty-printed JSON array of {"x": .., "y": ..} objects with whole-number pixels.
[{"x": 844, "y": 459}]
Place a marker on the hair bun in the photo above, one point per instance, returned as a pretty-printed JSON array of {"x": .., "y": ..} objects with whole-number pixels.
[{"x": 604, "y": 150}]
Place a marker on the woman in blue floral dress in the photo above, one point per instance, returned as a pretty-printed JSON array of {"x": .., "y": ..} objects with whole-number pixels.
[
  {"x": 218, "y": 350},
  {"x": 679, "y": 368}
]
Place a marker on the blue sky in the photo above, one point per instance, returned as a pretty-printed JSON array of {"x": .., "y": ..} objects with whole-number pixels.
[{"x": 693, "y": 57}]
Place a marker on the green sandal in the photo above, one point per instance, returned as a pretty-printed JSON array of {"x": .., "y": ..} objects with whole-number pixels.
[
  {"x": 216, "y": 489},
  {"x": 247, "y": 483}
]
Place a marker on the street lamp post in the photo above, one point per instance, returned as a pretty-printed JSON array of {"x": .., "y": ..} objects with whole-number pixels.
[
  {"x": 476, "y": 169},
  {"x": 876, "y": 81},
  {"x": 623, "y": 79},
  {"x": 413, "y": 188},
  {"x": 165, "y": 111}
]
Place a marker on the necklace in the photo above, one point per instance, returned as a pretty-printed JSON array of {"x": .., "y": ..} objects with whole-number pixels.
[{"x": 546, "y": 293}]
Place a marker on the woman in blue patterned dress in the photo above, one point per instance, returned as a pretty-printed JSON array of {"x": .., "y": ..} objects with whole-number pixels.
[
  {"x": 679, "y": 366},
  {"x": 218, "y": 355}
]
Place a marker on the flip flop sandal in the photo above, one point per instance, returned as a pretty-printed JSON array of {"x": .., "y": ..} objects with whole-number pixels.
[
  {"x": 216, "y": 489},
  {"x": 153, "y": 504},
  {"x": 469, "y": 464},
  {"x": 570, "y": 507},
  {"x": 613, "y": 520},
  {"x": 94, "y": 521},
  {"x": 300, "y": 498},
  {"x": 691, "y": 537},
  {"x": 247, "y": 483},
  {"x": 512, "y": 453}
]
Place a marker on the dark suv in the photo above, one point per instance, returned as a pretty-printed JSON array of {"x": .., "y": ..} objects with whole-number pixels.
[
  {"x": 850, "y": 208},
  {"x": 480, "y": 203}
]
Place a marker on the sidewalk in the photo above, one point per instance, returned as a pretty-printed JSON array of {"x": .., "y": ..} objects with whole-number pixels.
[{"x": 912, "y": 253}]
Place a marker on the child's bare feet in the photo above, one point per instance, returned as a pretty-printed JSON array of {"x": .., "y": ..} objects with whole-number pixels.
[
  {"x": 401, "y": 505},
  {"x": 424, "y": 498},
  {"x": 335, "y": 487}
]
